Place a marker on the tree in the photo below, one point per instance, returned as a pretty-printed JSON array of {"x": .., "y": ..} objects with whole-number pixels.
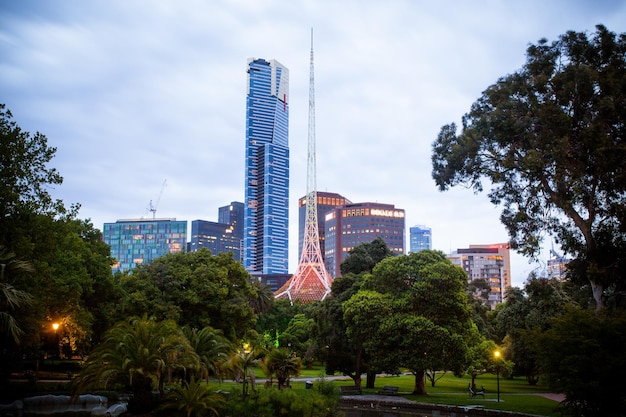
[
  {"x": 192, "y": 399},
  {"x": 550, "y": 139},
  {"x": 583, "y": 357},
  {"x": 298, "y": 337},
  {"x": 420, "y": 318},
  {"x": 195, "y": 289},
  {"x": 10, "y": 297},
  {"x": 282, "y": 363},
  {"x": 24, "y": 175},
  {"x": 138, "y": 353},
  {"x": 212, "y": 348},
  {"x": 241, "y": 364},
  {"x": 364, "y": 257}
]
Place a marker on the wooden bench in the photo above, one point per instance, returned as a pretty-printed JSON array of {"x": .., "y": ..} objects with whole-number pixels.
[
  {"x": 389, "y": 390},
  {"x": 350, "y": 390}
]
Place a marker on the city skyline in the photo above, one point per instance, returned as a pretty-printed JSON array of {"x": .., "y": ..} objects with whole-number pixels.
[{"x": 132, "y": 93}]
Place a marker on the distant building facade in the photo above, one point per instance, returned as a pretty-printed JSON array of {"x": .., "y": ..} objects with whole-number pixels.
[
  {"x": 217, "y": 237},
  {"x": 140, "y": 241},
  {"x": 326, "y": 202},
  {"x": 420, "y": 238},
  {"x": 489, "y": 262},
  {"x": 557, "y": 266},
  {"x": 266, "y": 204},
  {"x": 353, "y": 224}
]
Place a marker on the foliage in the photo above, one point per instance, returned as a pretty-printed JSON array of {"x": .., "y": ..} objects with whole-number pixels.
[
  {"x": 192, "y": 399},
  {"x": 364, "y": 257},
  {"x": 195, "y": 289},
  {"x": 138, "y": 353},
  {"x": 284, "y": 403},
  {"x": 298, "y": 336},
  {"x": 524, "y": 315},
  {"x": 212, "y": 348},
  {"x": 582, "y": 355},
  {"x": 282, "y": 363},
  {"x": 25, "y": 176},
  {"x": 412, "y": 312},
  {"x": 10, "y": 297},
  {"x": 550, "y": 139},
  {"x": 241, "y": 363}
]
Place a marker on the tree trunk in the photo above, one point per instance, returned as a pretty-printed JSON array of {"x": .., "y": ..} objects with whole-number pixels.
[
  {"x": 420, "y": 386},
  {"x": 357, "y": 369},
  {"x": 370, "y": 381},
  {"x": 597, "y": 290}
]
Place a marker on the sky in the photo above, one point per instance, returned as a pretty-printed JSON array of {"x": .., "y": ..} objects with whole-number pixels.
[{"x": 145, "y": 100}]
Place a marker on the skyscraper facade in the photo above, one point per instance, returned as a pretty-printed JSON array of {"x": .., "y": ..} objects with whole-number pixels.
[
  {"x": 232, "y": 214},
  {"x": 420, "y": 238},
  {"x": 217, "y": 237},
  {"x": 266, "y": 206},
  {"x": 326, "y": 202},
  {"x": 352, "y": 224},
  {"x": 491, "y": 263},
  {"x": 140, "y": 241}
]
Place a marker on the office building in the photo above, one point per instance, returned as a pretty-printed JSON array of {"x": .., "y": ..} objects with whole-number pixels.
[
  {"x": 353, "y": 224},
  {"x": 557, "y": 266},
  {"x": 140, "y": 241},
  {"x": 217, "y": 237},
  {"x": 420, "y": 238},
  {"x": 491, "y": 263},
  {"x": 232, "y": 214},
  {"x": 326, "y": 202},
  {"x": 266, "y": 205}
]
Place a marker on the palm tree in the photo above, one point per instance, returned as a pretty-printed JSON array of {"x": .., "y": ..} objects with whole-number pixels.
[
  {"x": 193, "y": 398},
  {"x": 264, "y": 299},
  {"x": 283, "y": 364},
  {"x": 241, "y": 363},
  {"x": 10, "y": 297},
  {"x": 212, "y": 348},
  {"x": 137, "y": 353}
]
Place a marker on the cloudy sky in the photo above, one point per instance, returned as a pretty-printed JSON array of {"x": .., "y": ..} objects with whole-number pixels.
[{"x": 137, "y": 93}]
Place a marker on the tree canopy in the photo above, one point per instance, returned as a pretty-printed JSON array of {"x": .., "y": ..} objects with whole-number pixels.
[
  {"x": 551, "y": 140},
  {"x": 196, "y": 289}
]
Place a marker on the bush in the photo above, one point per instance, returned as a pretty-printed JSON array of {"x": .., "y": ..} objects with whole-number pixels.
[{"x": 272, "y": 402}]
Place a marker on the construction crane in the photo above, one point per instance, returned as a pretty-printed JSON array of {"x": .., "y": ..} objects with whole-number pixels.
[{"x": 153, "y": 207}]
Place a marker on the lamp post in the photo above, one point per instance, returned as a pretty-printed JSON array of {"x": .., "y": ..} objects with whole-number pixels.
[
  {"x": 55, "y": 327},
  {"x": 497, "y": 355}
]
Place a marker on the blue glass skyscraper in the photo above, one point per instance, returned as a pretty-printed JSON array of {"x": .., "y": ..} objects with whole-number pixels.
[
  {"x": 266, "y": 212},
  {"x": 420, "y": 238}
]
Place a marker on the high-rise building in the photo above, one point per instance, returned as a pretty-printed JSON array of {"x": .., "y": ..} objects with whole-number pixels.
[
  {"x": 326, "y": 202},
  {"x": 353, "y": 224},
  {"x": 232, "y": 214},
  {"x": 491, "y": 263},
  {"x": 420, "y": 238},
  {"x": 557, "y": 266},
  {"x": 266, "y": 210},
  {"x": 140, "y": 241},
  {"x": 217, "y": 237}
]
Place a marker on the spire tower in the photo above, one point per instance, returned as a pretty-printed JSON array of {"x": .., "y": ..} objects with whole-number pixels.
[{"x": 311, "y": 281}]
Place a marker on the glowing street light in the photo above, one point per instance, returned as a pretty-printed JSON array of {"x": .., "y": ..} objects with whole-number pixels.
[
  {"x": 497, "y": 355},
  {"x": 55, "y": 327}
]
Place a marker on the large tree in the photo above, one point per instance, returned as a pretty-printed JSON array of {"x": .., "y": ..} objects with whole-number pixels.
[
  {"x": 195, "y": 289},
  {"x": 551, "y": 140},
  {"x": 412, "y": 312}
]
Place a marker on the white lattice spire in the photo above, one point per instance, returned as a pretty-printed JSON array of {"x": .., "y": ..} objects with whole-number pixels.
[{"x": 311, "y": 281}]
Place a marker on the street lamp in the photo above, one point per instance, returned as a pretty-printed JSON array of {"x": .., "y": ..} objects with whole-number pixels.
[
  {"x": 497, "y": 355},
  {"x": 55, "y": 327}
]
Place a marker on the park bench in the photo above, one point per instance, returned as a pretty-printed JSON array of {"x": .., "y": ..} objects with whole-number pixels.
[
  {"x": 389, "y": 390},
  {"x": 350, "y": 390},
  {"x": 473, "y": 392}
]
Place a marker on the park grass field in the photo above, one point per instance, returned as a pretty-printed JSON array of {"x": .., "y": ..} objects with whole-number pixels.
[{"x": 516, "y": 394}]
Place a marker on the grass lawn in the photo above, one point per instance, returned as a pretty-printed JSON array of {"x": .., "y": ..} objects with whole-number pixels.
[{"x": 515, "y": 394}]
